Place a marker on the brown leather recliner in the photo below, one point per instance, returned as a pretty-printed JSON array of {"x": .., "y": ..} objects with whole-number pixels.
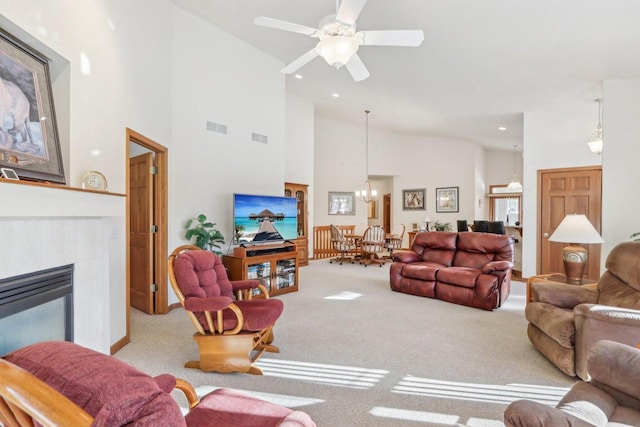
[
  {"x": 565, "y": 321},
  {"x": 611, "y": 398}
]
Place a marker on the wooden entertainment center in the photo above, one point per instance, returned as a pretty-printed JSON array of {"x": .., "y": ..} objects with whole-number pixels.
[{"x": 274, "y": 265}]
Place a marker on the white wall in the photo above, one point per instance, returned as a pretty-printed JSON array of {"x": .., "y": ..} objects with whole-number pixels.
[
  {"x": 127, "y": 84},
  {"x": 218, "y": 78},
  {"x": 299, "y": 160},
  {"x": 621, "y": 151},
  {"x": 551, "y": 140},
  {"x": 414, "y": 162}
]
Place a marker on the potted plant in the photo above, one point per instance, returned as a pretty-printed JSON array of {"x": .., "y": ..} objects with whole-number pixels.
[
  {"x": 635, "y": 237},
  {"x": 442, "y": 226},
  {"x": 205, "y": 233}
]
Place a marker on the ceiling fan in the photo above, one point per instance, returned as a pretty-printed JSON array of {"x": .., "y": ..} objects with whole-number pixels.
[{"x": 339, "y": 40}]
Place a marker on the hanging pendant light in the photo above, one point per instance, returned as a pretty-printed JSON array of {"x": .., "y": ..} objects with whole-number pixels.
[
  {"x": 595, "y": 144},
  {"x": 367, "y": 195},
  {"x": 514, "y": 186}
]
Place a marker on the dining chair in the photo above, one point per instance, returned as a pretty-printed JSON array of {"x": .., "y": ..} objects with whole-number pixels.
[
  {"x": 372, "y": 245},
  {"x": 342, "y": 245},
  {"x": 394, "y": 241}
]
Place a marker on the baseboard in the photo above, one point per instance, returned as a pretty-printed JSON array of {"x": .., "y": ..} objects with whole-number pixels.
[{"x": 115, "y": 347}]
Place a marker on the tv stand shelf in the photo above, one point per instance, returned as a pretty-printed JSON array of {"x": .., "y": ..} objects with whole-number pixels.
[{"x": 274, "y": 265}]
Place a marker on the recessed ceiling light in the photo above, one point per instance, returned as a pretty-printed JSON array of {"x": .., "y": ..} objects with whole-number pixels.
[
  {"x": 502, "y": 128},
  {"x": 298, "y": 76},
  {"x": 335, "y": 95}
]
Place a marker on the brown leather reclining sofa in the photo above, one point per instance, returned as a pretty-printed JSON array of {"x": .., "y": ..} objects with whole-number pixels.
[{"x": 467, "y": 268}]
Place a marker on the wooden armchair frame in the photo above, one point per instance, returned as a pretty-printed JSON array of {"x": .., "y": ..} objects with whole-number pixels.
[
  {"x": 24, "y": 398},
  {"x": 225, "y": 350}
]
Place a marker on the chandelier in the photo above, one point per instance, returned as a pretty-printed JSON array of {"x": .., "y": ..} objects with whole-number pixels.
[
  {"x": 514, "y": 186},
  {"x": 595, "y": 144},
  {"x": 367, "y": 195}
]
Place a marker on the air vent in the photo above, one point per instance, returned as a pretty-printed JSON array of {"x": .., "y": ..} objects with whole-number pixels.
[
  {"x": 256, "y": 137},
  {"x": 216, "y": 127}
]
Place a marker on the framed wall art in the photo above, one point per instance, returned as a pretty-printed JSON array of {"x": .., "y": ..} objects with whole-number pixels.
[
  {"x": 414, "y": 200},
  {"x": 341, "y": 203},
  {"x": 447, "y": 199},
  {"x": 29, "y": 141}
]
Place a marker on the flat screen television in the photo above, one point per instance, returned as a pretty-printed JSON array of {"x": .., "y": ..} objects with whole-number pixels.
[{"x": 264, "y": 219}]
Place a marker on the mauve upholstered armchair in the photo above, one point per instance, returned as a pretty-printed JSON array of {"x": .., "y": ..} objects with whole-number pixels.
[
  {"x": 565, "y": 321},
  {"x": 58, "y": 383},
  {"x": 232, "y": 328},
  {"x": 610, "y": 398}
]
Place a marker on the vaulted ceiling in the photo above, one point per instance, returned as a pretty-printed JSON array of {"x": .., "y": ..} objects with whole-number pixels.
[{"x": 481, "y": 66}]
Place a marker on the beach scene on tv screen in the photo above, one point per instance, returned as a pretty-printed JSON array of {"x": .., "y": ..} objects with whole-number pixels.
[{"x": 264, "y": 218}]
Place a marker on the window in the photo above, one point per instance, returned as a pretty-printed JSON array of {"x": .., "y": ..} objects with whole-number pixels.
[{"x": 504, "y": 205}]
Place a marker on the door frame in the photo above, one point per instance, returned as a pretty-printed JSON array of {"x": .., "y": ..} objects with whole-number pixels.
[{"x": 160, "y": 218}]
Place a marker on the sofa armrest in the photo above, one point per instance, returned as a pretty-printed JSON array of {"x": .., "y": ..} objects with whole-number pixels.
[
  {"x": 166, "y": 382},
  {"x": 615, "y": 315},
  {"x": 497, "y": 265},
  {"x": 194, "y": 304},
  {"x": 562, "y": 295},
  {"x": 526, "y": 413},
  {"x": 405, "y": 256}
]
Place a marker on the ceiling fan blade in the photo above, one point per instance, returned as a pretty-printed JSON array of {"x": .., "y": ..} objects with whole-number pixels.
[
  {"x": 357, "y": 69},
  {"x": 349, "y": 11},
  {"x": 299, "y": 62},
  {"x": 391, "y": 38},
  {"x": 286, "y": 26}
]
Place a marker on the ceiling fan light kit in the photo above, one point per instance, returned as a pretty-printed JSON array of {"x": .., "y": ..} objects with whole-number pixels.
[
  {"x": 339, "y": 41},
  {"x": 337, "y": 50}
]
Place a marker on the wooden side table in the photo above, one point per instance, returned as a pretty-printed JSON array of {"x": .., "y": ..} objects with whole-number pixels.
[{"x": 552, "y": 278}]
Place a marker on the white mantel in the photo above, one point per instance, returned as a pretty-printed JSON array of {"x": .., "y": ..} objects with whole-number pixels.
[{"x": 47, "y": 226}]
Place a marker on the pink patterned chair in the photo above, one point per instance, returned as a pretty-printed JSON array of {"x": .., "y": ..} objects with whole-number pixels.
[
  {"x": 109, "y": 392},
  {"x": 232, "y": 328}
]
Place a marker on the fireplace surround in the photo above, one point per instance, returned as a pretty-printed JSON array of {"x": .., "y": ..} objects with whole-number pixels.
[{"x": 46, "y": 226}]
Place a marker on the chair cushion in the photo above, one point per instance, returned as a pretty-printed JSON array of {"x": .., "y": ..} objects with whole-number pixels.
[
  {"x": 421, "y": 270},
  {"x": 200, "y": 273},
  {"x": 558, "y": 323},
  {"x": 614, "y": 292},
  {"x": 475, "y": 249},
  {"x": 258, "y": 314},
  {"x": 224, "y": 407},
  {"x": 459, "y": 276},
  {"x": 111, "y": 391},
  {"x": 435, "y": 247}
]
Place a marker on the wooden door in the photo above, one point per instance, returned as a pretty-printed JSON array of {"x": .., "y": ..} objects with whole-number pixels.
[
  {"x": 386, "y": 213},
  {"x": 562, "y": 192},
  {"x": 141, "y": 255}
]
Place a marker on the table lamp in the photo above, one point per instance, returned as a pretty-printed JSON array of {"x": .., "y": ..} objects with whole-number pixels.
[
  {"x": 427, "y": 220},
  {"x": 575, "y": 229}
]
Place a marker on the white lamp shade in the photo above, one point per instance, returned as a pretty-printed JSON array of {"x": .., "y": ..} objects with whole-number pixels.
[
  {"x": 595, "y": 146},
  {"x": 514, "y": 186},
  {"x": 576, "y": 228},
  {"x": 337, "y": 50},
  {"x": 427, "y": 219}
]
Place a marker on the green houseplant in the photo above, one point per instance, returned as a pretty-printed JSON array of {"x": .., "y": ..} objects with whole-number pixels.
[
  {"x": 207, "y": 236},
  {"x": 442, "y": 226},
  {"x": 635, "y": 237}
]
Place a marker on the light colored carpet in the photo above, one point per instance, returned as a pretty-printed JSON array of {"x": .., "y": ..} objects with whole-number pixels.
[{"x": 355, "y": 353}]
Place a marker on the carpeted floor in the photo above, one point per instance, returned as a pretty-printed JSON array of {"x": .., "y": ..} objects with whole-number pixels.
[{"x": 354, "y": 353}]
